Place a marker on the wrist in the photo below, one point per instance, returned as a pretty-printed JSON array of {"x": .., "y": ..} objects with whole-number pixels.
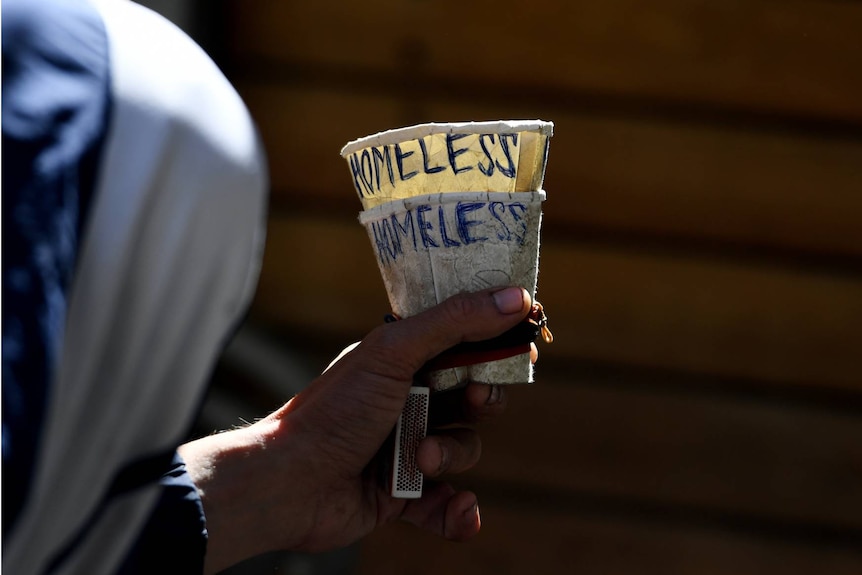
[{"x": 246, "y": 486}]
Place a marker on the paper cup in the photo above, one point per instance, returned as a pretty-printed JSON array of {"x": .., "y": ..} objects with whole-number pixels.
[{"x": 465, "y": 215}]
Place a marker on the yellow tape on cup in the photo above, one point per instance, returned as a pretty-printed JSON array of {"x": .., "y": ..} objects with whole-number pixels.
[{"x": 505, "y": 156}]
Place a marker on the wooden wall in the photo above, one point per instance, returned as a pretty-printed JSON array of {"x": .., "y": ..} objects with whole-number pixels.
[{"x": 701, "y": 408}]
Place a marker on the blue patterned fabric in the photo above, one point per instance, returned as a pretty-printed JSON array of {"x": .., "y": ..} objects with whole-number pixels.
[{"x": 56, "y": 105}]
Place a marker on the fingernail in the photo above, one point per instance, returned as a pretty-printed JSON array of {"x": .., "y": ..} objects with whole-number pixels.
[
  {"x": 444, "y": 459},
  {"x": 509, "y": 300},
  {"x": 493, "y": 395}
]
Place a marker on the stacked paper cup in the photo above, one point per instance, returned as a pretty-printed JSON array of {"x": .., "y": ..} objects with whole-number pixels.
[{"x": 454, "y": 207}]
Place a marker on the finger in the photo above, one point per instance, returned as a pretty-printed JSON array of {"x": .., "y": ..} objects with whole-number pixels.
[
  {"x": 467, "y": 405},
  {"x": 407, "y": 345},
  {"x": 451, "y": 452},
  {"x": 445, "y": 512},
  {"x": 534, "y": 353},
  {"x": 484, "y": 401}
]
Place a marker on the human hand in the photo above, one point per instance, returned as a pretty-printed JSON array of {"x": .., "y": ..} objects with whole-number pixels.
[{"x": 305, "y": 477}]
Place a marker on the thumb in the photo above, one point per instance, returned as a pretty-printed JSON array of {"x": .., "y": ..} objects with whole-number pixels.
[
  {"x": 401, "y": 348},
  {"x": 359, "y": 397}
]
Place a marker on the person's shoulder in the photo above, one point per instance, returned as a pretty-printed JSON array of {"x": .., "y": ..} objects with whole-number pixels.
[{"x": 161, "y": 75}]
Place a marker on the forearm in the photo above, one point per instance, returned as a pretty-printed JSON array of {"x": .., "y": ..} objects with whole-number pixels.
[{"x": 246, "y": 488}]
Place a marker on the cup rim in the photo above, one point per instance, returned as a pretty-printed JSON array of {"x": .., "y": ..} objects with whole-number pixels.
[{"x": 417, "y": 131}]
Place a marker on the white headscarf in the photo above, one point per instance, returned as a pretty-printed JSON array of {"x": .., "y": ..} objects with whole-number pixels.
[{"x": 169, "y": 262}]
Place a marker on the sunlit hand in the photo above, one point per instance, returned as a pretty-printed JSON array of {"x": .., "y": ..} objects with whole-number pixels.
[{"x": 305, "y": 478}]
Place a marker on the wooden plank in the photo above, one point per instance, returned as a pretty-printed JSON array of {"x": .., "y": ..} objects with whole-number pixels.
[
  {"x": 519, "y": 541},
  {"x": 798, "y": 57},
  {"x": 774, "y": 190},
  {"x": 721, "y": 456},
  {"x": 615, "y": 306}
]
